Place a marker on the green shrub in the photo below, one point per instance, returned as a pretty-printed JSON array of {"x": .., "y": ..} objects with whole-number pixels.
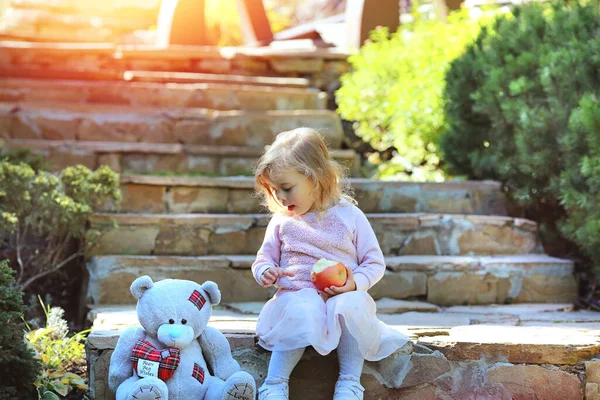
[
  {"x": 44, "y": 216},
  {"x": 18, "y": 367},
  {"x": 511, "y": 112},
  {"x": 579, "y": 183},
  {"x": 394, "y": 92},
  {"x": 510, "y": 96},
  {"x": 19, "y": 156},
  {"x": 62, "y": 355}
]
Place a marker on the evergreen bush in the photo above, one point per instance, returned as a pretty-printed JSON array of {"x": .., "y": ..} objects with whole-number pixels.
[
  {"x": 513, "y": 113},
  {"x": 18, "y": 367},
  {"x": 510, "y": 96},
  {"x": 579, "y": 182}
]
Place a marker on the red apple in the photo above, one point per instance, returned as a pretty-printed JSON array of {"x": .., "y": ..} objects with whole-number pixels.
[{"x": 326, "y": 273}]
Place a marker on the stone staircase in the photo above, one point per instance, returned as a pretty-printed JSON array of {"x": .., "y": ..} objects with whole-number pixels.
[{"x": 489, "y": 313}]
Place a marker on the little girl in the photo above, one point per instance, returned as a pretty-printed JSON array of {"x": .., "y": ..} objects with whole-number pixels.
[{"x": 314, "y": 217}]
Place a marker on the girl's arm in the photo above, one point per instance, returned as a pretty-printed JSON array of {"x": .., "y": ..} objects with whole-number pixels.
[
  {"x": 270, "y": 252},
  {"x": 371, "y": 264}
]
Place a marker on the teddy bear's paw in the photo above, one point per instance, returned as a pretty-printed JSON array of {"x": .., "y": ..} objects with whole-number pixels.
[
  {"x": 147, "y": 392},
  {"x": 239, "y": 386}
]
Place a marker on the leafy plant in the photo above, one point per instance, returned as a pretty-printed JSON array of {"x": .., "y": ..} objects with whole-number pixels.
[
  {"x": 521, "y": 109},
  {"x": 60, "y": 355},
  {"x": 18, "y": 366},
  {"x": 19, "y": 156},
  {"x": 394, "y": 92},
  {"x": 44, "y": 216},
  {"x": 578, "y": 186}
]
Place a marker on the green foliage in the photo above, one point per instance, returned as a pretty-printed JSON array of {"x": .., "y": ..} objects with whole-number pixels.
[
  {"x": 19, "y": 156},
  {"x": 42, "y": 214},
  {"x": 18, "y": 367},
  {"x": 513, "y": 114},
  {"x": 579, "y": 183},
  {"x": 60, "y": 355},
  {"x": 394, "y": 92},
  {"x": 511, "y": 94}
]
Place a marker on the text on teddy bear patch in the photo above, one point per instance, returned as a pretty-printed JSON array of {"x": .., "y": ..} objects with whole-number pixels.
[{"x": 149, "y": 361}]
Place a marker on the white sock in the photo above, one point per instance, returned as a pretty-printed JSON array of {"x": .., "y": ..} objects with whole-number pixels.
[
  {"x": 350, "y": 357},
  {"x": 282, "y": 363}
]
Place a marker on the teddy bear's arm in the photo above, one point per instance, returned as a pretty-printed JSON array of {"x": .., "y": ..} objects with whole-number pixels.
[
  {"x": 121, "y": 367},
  {"x": 217, "y": 353}
]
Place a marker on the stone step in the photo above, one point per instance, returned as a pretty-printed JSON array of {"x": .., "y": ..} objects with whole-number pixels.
[
  {"x": 398, "y": 234},
  {"x": 438, "y": 324},
  {"x": 101, "y": 122},
  {"x": 120, "y": 317},
  {"x": 483, "y": 352},
  {"x": 31, "y": 72},
  {"x": 229, "y": 79},
  {"x": 158, "y": 158},
  {"x": 171, "y": 194},
  {"x": 171, "y": 95},
  {"x": 321, "y": 67},
  {"x": 443, "y": 280}
]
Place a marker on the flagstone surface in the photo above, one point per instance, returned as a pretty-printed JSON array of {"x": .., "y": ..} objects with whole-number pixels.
[{"x": 484, "y": 350}]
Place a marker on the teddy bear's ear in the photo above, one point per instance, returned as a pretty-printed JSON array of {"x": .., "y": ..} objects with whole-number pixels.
[
  {"x": 140, "y": 285},
  {"x": 213, "y": 292}
]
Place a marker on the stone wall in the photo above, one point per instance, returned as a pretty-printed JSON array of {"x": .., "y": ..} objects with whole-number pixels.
[{"x": 430, "y": 377}]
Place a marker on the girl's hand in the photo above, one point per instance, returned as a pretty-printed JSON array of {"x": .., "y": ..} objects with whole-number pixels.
[
  {"x": 350, "y": 286},
  {"x": 270, "y": 276},
  {"x": 324, "y": 296}
]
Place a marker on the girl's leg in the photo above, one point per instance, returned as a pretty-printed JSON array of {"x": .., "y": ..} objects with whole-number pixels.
[
  {"x": 351, "y": 364},
  {"x": 350, "y": 357},
  {"x": 283, "y": 362},
  {"x": 280, "y": 368}
]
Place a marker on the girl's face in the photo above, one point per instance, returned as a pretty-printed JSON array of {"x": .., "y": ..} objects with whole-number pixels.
[{"x": 295, "y": 192}]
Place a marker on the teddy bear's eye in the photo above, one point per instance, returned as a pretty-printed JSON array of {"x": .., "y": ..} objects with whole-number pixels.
[
  {"x": 171, "y": 321},
  {"x": 184, "y": 321}
]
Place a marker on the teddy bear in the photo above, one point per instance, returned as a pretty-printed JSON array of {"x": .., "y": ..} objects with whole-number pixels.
[{"x": 174, "y": 354}]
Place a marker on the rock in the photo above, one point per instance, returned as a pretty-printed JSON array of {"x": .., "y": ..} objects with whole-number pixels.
[
  {"x": 536, "y": 382},
  {"x": 516, "y": 344}
]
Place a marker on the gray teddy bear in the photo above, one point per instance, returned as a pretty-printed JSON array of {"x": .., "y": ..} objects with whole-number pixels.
[{"x": 171, "y": 356}]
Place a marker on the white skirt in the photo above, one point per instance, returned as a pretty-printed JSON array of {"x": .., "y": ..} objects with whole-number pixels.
[{"x": 295, "y": 319}]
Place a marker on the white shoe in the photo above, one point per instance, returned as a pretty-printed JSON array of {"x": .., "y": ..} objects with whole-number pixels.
[
  {"x": 348, "y": 389},
  {"x": 274, "y": 389}
]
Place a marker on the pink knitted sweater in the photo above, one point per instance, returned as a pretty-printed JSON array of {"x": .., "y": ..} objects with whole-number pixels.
[{"x": 342, "y": 234}]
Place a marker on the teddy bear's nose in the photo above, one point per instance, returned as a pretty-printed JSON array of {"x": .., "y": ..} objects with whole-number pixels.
[{"x": 175, "y": 333}]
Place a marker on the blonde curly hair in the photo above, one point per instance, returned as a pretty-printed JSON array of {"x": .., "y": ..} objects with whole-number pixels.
[{"x": 302, "y": 150}]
